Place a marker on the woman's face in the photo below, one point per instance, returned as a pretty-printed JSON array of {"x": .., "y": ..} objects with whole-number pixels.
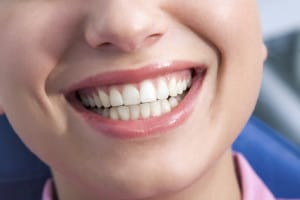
[{"x": 54, "y": 53}]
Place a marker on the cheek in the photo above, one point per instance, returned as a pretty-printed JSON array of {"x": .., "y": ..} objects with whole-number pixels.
[
  {"x": 34, "y": 38},
  {"x": 230, "y": 26},
  {"x": 31, "y": 47},
  {"x": 26, "y": 69},
  {"x": 233, "y": 28}
]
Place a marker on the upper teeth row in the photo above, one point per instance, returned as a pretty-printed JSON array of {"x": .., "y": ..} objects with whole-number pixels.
[{"x": 133, "y": 94}]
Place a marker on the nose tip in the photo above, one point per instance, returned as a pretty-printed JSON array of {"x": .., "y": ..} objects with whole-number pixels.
[{"x": 126, "y": 27}]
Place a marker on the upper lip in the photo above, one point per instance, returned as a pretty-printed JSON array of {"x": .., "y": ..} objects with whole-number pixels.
[{"x": 133, "y": 75}]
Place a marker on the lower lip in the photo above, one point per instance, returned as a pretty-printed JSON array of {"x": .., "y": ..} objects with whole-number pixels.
[{"x": 144, "y": 127}]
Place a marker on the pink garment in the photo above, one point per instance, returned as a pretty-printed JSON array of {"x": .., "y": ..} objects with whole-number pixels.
[
  {"x": 48, "y": 191},
  {"x": 252, "y": 186}
]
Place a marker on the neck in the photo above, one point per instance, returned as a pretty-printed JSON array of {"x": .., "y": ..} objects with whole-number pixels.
[{"x": 219, "y": 182}]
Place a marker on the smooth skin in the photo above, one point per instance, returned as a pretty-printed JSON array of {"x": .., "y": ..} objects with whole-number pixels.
[{"x": 48, "y": 45}]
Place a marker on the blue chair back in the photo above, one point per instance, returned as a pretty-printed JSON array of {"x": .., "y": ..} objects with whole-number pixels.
[
  {"x": 274, "y": 158},
  {"x": 22, "y": 174}
]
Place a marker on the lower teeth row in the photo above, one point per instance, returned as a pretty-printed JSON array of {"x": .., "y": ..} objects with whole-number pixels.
[{"x": 140, "y": 111}]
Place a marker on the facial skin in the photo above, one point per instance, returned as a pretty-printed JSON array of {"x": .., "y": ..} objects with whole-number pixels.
[{"x": 47, "y": 45}]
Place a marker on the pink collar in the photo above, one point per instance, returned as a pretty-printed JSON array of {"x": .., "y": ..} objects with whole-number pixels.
[
  {"x": 252, "y": 186},
  {"x": 48, "y": 191}
]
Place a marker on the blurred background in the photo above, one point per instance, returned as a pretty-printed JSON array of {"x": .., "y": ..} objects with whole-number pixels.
[{"x": 279, "y": 101}]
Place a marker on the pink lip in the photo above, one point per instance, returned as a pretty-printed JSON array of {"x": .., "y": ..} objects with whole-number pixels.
[{"x": 144, "y": 127}]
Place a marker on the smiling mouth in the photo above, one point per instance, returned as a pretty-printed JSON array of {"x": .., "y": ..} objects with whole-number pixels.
[
  {"x": 148, "y": 98},
  {"x": 138, "y": 103}
]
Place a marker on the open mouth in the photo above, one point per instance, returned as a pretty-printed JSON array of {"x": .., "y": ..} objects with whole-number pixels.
[
  {"x": 149, "y": 98},
  {"x": 141, "y": 103}
]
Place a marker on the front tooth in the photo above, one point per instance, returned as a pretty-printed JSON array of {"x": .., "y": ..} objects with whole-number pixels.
[
  {"x": 155, "y": 108},
  {"x": 104, "y": 98},
  {"x": 113, "y": 113},
  {"x": 162, "y": 89},
  {"x": 165, "y": 106},
  {"x": 172, "y": 87},
  {"x": 115, "y": 97},
  {"x": 131, "y": 95},
  {"x": 123, "y": 112},
  {"x": 145, "y": 110},
  {"x": 134, "y": 112},
  {"x": 173, "y": 102},
  {"x": 147, "y": 91}
]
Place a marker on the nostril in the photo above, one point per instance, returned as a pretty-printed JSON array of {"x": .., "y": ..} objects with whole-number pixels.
[
  {"x": 131, "y": 45},
  {"x": 155, "y": 35},
  {"x": 151, "y": 39},
  {"x": 105, "y": 44}
]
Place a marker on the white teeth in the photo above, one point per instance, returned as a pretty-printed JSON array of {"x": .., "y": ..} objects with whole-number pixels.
[
  {"x": 172, "y": 87},
  {"x": 165, "y": 106},
  {"x": 97, "y": 100},
  {"x": 150, "y": 98},
  {"x": 91, "y": 101},
  {"x": 147, "y": 91},
  {"x": 145, "y": 110},
  {"x": 179, "y": 87},
  {"x": 124, "y": 112},
  {"x": 113, "y": 113},
  {"x": 115, "y": 97},
  {"x": 105, "y": 112},
  {"x": 104, "y": 98},
  {"x": 162, "y": 89},
  {"x": 184, "y": 85},
  {"x": 134, "y": 112},
  {"x": 155, "y": 108},
  {"x": 173, "y": 102},
  {"x": 131, "y": 95}
]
